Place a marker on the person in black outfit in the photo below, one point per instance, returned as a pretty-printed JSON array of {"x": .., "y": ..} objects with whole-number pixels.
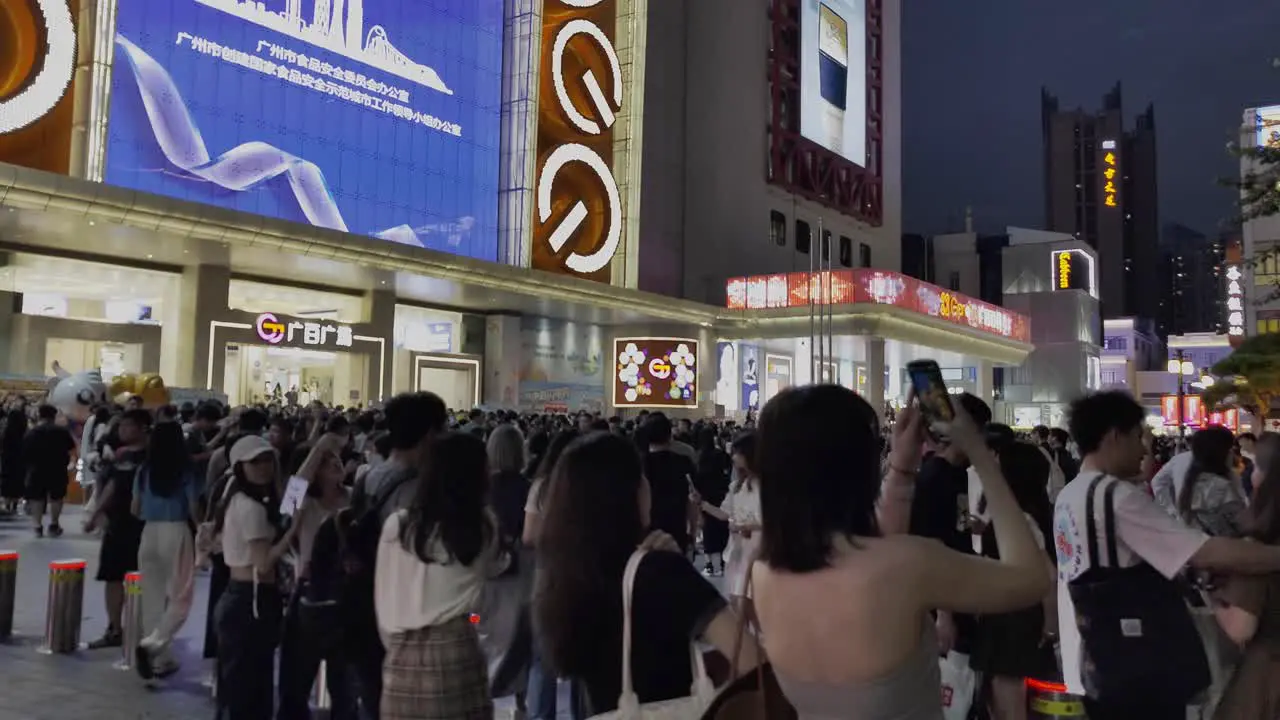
[
  {"x": 670, "y": 476},
  {"x": 13, "y": 469},
  {"x": 118, "y": 554},
  {"x": 940, "y": 510},
  {"x": 712, "y": 483},
  {"x": 47, "y": 450}
]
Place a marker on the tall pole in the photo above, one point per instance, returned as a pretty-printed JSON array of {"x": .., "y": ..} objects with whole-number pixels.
[
  {"x": 1182, "y": 391},
  {"x": 813, "y": 253}
]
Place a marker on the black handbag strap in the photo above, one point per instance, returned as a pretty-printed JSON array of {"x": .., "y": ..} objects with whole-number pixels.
[{"x": 1108, "y": 522}]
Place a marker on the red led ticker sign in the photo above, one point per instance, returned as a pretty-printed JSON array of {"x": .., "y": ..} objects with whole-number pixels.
[{"x": 879, "y": 287}]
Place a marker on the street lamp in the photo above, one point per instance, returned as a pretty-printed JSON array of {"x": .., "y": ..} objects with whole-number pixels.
[{"x": 1182, "y": 368}]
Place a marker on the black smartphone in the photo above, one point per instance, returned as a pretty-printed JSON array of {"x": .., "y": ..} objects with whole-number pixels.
[{"x": 933, "y": 397}]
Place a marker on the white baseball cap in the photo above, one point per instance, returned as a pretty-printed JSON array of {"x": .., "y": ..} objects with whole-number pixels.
[{"x": 249, "y": 448}]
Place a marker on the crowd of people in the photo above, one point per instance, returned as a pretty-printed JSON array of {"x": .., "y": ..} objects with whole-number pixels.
[{"x": 428, "y": 561}]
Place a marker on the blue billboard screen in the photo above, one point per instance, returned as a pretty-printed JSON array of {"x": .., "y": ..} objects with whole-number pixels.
[{"x": 376, "y": 117}]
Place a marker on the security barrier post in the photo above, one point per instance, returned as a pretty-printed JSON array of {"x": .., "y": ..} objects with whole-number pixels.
[
  {"x": 8, "y": 591},
  {"x": 130, "y": 620},
  {"x": 65, "y": 607}
]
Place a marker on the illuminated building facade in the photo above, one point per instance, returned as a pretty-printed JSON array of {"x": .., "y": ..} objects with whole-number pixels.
[{"x": 1100, "y": 186}]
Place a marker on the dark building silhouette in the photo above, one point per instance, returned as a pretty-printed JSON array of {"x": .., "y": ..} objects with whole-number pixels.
[
  {"x": 1100, "y": 186},
  {"x": 1191, "y": 292}
]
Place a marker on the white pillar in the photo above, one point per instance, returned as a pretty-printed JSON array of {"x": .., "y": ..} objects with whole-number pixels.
[
  {"x": 185, "y": 322},
  {"x": 502, "y": 352},
  {"x": 984, "y": 384},
  {"x": 875, "y": 374}
]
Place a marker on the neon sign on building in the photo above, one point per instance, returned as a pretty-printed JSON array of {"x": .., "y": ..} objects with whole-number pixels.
[
  {"x": 1110, "y": 174},
  {"x": 1235, "y": 301}
]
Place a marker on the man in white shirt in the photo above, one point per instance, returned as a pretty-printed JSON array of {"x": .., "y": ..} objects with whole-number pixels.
[{"x": 1107, "y": 428}]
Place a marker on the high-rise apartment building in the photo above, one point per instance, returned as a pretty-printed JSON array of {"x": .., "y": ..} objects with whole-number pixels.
[
  {"x": 1192, "y": 291},
  {"x": 1100, "y": 186}
]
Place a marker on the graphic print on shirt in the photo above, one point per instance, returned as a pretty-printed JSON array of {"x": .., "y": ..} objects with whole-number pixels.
[{"x": 1066, "y": 540}]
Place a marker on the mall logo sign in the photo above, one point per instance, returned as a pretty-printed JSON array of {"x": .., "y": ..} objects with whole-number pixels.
[
  {"x": 570, "y": 153},
  {"x": 274, "y": 331},
  {"x": 39, "y": 87}
]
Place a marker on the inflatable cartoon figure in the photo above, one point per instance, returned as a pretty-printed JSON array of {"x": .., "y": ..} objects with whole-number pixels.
[
  {"x": 148, "y": 386},
  {"x": 76, "y": 395}
]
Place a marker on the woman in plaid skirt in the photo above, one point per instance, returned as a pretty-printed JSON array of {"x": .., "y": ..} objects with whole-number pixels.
[{"x": 433, "y": 560}]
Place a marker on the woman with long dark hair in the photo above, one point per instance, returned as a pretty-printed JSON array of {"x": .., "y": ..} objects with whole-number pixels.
[
  {"x": 540, "y": 696},
  {"x": 166, "y": 498},
  {"x": 597, "y": 515},
  {"x": 1010, "y": 647},
  {"x": 844, "y": 609},
  {"x": 433, "y": 560},
  {"x": 739, "y": 509},
  {"x": 13, "y": 467},
  {"x": 1250, "y": 610},
  {"x": 1209, "y": 497},
  {"x": 247, "y": 617}
]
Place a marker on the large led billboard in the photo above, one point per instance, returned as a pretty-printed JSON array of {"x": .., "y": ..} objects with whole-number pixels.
[
  {"x": 833, "y": 76},
  {"x": 376, "y": 117},
  {"x": 1267, "y": 120},
  {"x": 655, "y": 372}
]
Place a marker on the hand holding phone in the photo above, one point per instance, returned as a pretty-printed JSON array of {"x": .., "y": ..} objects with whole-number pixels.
[{"x": 932, "y": 397}]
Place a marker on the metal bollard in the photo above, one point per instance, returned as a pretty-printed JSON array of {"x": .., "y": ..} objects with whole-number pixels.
[
  {"x": 1051, "y": 701},
  {"x": 131, "y": 620},
  {"x": 8, "y": 590},
  {"x": 320, "y": 691},
  {"x": 65, "y": 607}
]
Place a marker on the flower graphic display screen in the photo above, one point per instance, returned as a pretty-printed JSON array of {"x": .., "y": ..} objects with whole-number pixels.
[
  {"x": 375, "y": 117},
  {"x": 655, "y": 372}
]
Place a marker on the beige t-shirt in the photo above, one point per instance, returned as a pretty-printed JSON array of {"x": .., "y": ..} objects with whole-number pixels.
[{"x": 246, "y": 522}]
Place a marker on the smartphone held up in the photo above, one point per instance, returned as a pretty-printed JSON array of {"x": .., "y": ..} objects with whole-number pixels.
[{"x": 932, "y": 396}]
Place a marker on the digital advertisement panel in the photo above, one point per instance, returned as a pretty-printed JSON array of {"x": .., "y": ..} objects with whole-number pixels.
[
  {"x": 728, "y": 380},
  {"x": 1268, "y": 130},
  {"x": 655, "y": 372},
  {"x": 376, "y": 117},
  {"x": 750, "y": 355},
  {"x": 777, "y": 375},
  {"x": 833, "y": 76}
]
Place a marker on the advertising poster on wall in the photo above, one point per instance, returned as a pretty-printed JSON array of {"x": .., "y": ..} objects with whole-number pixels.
[
  {"x": 376, "y": 117},
  {"x": 655, "y": 372},
  {"x": 728, "y": 377},
  {"x": 750, "y": 363},
  {"x": 777, "y": 375},
  {"x": 833, "y": 76},
  {"x": 561, "y": 368}
]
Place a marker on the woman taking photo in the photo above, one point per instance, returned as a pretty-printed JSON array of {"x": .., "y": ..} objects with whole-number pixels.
[
  {"x": 597, "y": 515},
  {"x": 247, "y": 617},
  {"x": 433, "y": 560},
  {"x": 844, "y": 611},
  {"x": 166, "y": 498}
]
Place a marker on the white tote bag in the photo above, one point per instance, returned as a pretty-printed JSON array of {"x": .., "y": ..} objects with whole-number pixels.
[
  {"x": 958, "y": 685},
  {"x": 629, "y": 707}
]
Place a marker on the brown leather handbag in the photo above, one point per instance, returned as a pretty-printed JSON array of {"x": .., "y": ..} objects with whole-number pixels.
[{"x": 757, "y": 695}]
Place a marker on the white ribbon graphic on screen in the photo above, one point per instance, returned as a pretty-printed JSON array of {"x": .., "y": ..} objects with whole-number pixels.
[{"x": 250, "y": 164}]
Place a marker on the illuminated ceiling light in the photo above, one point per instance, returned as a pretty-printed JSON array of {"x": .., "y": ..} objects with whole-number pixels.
[{"x": 56, "y": 69}]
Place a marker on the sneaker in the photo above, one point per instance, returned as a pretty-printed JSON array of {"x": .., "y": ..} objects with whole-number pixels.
[
  {"x": 708, "y": 570},
  {"x": 142, "y": 662},
  {"x": 166, "y": 669},
  {"x": 113, "y": 638},
  {"x": 55, "y": 530},
  {"x": 39, "y": 531}
]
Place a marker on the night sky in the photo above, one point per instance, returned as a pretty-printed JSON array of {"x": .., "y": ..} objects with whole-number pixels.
[{"x": 971, "y": 94}]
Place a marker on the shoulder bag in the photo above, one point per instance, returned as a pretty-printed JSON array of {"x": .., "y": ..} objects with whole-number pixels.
[
  {"x": 1138, "y": 640},
  {"x": 629, "y": 706},
  {"x": 757, "y": 695}
]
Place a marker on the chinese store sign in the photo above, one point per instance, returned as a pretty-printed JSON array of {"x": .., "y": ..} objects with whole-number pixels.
[
  {"x": 880, "y": 287},
  {"x": 275, "y": 331},
  {"x": 1110, "y": 174},
  {"x": 1235, "y": 301}
]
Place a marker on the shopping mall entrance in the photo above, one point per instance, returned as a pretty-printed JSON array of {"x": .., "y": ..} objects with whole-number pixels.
[
  {"x": 261, "y": 374},
  {"x": 455, "y": 379}
]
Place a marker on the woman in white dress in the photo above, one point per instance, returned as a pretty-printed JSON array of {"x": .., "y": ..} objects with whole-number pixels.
[{"x": 741, "y": 509}]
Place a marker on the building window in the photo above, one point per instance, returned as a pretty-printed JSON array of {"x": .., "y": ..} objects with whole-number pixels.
[
  {"x": 864, "y": 255},
  {"x": 953, "y": 281},
  {"x": 846, "y": 251},
  {"x": 778, "y": 228},
  {"x": 826, "y": 246},
  {"x": 803, "y": 236},
  {"x": 1116, "y": 343}
]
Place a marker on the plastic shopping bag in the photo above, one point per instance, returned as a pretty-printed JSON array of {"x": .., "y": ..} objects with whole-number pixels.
[{"x": 958, "y": 685}]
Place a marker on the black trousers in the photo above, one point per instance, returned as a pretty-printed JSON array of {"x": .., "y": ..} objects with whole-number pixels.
[
  {"x": 247, "y": 641},
  {"x": 301, "y": 651}
]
